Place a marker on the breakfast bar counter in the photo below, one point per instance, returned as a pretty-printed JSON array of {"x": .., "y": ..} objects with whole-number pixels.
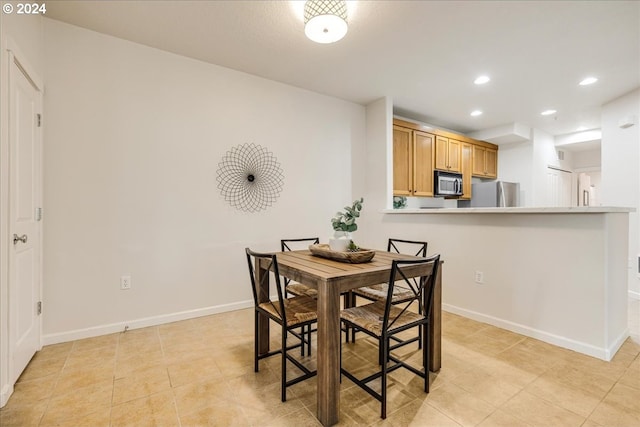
[
  {"x": 560, "y": 275},
  {"x": 522, "y": 210}
]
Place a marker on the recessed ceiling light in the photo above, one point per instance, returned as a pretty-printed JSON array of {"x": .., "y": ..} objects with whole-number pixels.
[
  {"x": 588, "y": 81},
  {"x": 548, "y": 112},
  {"x": 475, "y": 113},
  {"x": 482, "y": 80}
]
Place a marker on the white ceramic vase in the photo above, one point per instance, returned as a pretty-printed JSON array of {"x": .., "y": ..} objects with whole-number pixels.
[{"x": 340, "y": 241}]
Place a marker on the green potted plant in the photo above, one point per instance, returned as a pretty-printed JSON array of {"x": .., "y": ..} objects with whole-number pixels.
[{"x": 344, "y": 223}]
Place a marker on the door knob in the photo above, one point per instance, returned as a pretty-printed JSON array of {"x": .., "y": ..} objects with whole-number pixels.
[{"x": 17, "y": 239}]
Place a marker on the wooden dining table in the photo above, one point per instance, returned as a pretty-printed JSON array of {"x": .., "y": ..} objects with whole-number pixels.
[{"x": 331, "y": 279}]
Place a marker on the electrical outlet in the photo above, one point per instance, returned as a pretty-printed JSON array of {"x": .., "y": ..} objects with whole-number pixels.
[
  {"x": 479, "y": 277},
  {"x": 125, "y": 282}
]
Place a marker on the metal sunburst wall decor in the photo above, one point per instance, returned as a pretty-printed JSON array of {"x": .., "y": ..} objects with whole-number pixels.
[{"x": 250, "y": 178}]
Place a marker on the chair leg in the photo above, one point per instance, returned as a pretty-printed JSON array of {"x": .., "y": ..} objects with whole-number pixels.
[
  {"x": 309, "y": 340},
  {"x": 302, "y": 334},
  {"x": 384, "y": 341},
  {"x": 352, "y": 303},
  {"x": 425, "y": 356},
  {"x": 283, "y": 382},
  {"x": 420, "y": 334},
  {"x": 341, "y": 351},
  {"x": 347, "y": 298},
  {"x": 255, "y": 342}
]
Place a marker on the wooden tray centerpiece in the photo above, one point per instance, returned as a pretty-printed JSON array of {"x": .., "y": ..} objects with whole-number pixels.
[{"x": 354, "y": 257}]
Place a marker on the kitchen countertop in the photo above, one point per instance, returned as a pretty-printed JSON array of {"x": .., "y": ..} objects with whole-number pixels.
[{"x": 519, "y": 210}]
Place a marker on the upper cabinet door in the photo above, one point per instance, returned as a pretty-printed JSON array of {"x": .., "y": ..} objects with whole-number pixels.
[
  {"x": 478, "y": 160},
  {"x": 442, "y": 148},
  {"x": 453, "y": 154},
  {"x": 423, "y": 156},
  {"x": 485, "y": 162},
  {"x": 491, "y": 162},
  {"x": 402, "y": 161},
  {"x": 447, "y": 154}
]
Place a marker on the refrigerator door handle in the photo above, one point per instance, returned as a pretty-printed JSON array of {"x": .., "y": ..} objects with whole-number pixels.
[{"x": 502, "y": 202}]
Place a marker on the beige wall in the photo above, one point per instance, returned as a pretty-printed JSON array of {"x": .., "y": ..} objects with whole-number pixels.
[{"x": 133, "y": 140}]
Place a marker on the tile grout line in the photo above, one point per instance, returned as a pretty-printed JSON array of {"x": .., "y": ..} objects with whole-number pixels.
[
  {"x": 115, "y": 364},
  {"x": 59, "y": 375}
]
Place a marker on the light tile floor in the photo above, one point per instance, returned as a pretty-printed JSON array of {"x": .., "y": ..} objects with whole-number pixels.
[{"x": 199, "y": 372}]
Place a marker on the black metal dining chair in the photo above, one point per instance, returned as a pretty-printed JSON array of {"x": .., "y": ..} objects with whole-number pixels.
[
  {"x": 379, "y": 292},
  {"x": 300, "y": 289},
  {"x": 289, "y": 313},
  {"x": 384, "y": 320},
  {"x": 292, "y": 287}
]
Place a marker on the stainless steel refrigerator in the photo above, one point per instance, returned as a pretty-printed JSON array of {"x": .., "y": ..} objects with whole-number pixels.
[{"x": 495, "y": 194}]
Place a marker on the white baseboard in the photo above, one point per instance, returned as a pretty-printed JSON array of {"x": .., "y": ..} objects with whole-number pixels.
[
  {"x": 95, "y": 331},
  {"x": 588, "y": 349},
  {"x": 5, "y": 394},
  {"x": 601, "y": 353}
]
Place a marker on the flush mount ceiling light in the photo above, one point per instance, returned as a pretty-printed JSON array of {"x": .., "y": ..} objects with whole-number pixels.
[
  {"x": 548, "y": 112},
  {"x": 476, "y": 113},
  {"x": 482, "y": 80},
  {"x": 325, "y": 21},
  {"x": 588, "y": 81}
]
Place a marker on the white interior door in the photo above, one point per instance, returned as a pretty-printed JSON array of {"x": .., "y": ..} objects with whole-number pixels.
[
  {"x": 558, "y": 188},
  {"x": 24, "y": 228}
]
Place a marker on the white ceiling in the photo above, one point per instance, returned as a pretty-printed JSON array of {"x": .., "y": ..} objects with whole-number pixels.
[{"x": 423, "y": 54}]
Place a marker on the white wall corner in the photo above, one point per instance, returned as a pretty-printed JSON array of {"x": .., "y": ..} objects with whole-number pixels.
[
  {"x": 379, "y": 158},
  {"x": 615, "y": 346}
]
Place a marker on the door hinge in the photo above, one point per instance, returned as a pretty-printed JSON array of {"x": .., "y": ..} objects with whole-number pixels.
[
  {"x": 39, "y": 119},
  {"x": 39, "y": 307},
  {"x": 38, "y": 214}
]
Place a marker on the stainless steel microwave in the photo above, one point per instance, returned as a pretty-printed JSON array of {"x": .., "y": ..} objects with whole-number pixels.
[{"x": 447, "y": 184}]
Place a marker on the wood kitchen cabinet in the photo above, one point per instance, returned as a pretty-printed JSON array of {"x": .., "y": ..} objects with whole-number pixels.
[
  {"x": 447, "y": 154},
  {"x": 466, "y": 165},
  {"x": 485, "y": 162},
  {"x": 419, "y": 149},
  {"x": 413, "y": 153}
]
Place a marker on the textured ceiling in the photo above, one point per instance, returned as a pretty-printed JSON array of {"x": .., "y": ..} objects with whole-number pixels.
[{"x": 423, "y": 54}]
